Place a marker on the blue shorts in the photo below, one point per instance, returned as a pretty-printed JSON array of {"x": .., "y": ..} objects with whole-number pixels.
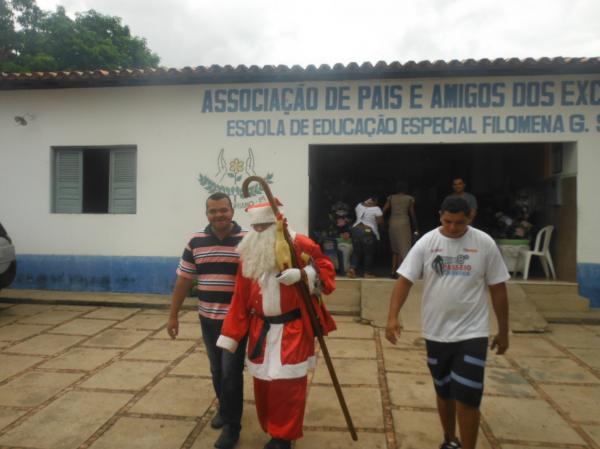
[{"x": 458, "y": 368}]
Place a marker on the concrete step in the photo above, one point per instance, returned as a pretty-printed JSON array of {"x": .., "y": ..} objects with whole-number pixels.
[{"x": 557, "y": 302}]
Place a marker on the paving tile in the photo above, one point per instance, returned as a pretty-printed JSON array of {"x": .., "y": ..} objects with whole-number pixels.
[
  {"x": 351, "y": 348},
  {"x": 407, "y": 339},
  {"x": 527, "y": 420},
  {"x": 14, "y": 332},
  {"x": 251, "y": 437},
  {"x": 46, "y": 344},
  {"x": 340, "y": 440},
  {"x": 50, "y": 317},
  {"x": 24, "y": 310},
  {"x": 160, "y": 350},
  {"x": 558, "y": 370},
  {"x": 117, "y": 338},
  {"x": 13, "y": 364},
  {"x": 112, "y": 313},
  {"x": 79, "y": 358},
  {"x": 195, "y": 364},
  {"x": 408, "y": 361},
  {"x": 497, "y": 361},
  {"x": 364, "y": 405},
  {"x": 348, "y": 371},
  {"x": 527, "y": 346},
  {"x": 8, "y": 415},
  {"x": 519, "y": 446},
  {"x": 67, "y": 422},
  {"x": 35, "y": 387},
  {"x": 189, "y": 317},
  {"x": 187, "y": 331},
  {"x": 144, "y": 321},
  {"x": 412, "y": 390},
  {"x": 83, "y": 326},
  {"x": 75, "y": 308},
  {"x": 417, "y": 430},
  {"x": 573, "y": 336},
  {"x": 177, "y": 396},
  {"x": 123, "y": 375},
  {"x": 164, "y": 311},
  {"x": 352, "y": 330},
  {"x": 144, "y": 433},
  {"x": 591, "y": 357},
  {"x": 422, "y": 430},
  {"x": 8, "y": 319},
  {"x": 593, "y": 432},
  {"x": 507, "y": 382},
  {"x": 5, "y": 305},
  {"x": 580, "y": 402}
]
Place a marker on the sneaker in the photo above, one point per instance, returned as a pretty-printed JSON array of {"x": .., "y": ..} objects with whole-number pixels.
[
  {"x": 217, "y": 421},
  {"x": 370, "y": 276},
  {"x": 450, "y": 445},
  {"x": 351, "y": 273},
  {"x": 228, "y": 438}
]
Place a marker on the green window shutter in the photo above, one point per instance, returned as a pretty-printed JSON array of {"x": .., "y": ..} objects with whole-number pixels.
[
  {"x": 68, "y": 181},
  {"x": 122, "y": 195}
]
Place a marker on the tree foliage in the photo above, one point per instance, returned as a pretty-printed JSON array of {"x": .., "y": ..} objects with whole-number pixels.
[{"x": 35, "y": 40}]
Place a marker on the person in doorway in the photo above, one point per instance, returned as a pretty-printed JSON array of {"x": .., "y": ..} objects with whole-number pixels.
[
  {"x": 210, "y": 257},
  {"x": 459, "y": 185},
  {"x": 402, "y": 221},
  {"x": 365, "y": 235},
  {"x": 270, "y": 308},
  {"x": 459, "y": 265}
]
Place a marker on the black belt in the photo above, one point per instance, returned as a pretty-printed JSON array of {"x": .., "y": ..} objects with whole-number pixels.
[{"x": 267, "y": 321}]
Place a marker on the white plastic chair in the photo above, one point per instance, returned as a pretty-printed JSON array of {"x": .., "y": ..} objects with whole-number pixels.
[{"x": 541, "y": 249}]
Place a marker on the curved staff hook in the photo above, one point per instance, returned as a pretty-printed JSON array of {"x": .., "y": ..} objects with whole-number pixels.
[{"x": 302, "y": 286}]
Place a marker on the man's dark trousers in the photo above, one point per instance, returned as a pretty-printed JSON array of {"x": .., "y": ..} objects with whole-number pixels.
[{"x": 227, "y": 372}]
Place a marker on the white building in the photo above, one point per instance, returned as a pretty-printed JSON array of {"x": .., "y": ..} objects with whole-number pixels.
[{"x": 104, "y": 174}]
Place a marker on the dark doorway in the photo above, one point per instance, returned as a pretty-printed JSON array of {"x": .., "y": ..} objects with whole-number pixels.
[{"x": 494, "y": 173}]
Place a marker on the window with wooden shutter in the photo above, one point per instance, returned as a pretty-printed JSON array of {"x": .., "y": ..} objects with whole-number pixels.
[
  {"x": 122, "y": 197},
  {"x": 95, "y": 180},
  {"x": 68, "y": 181}
]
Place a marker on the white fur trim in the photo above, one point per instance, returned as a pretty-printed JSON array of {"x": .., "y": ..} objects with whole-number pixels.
[
  {"x": 269, "y": 288},
  {"x": 272, "y": 368},
  {"x": 261, "y": 215},
  {"x": 227, "y": 343},
  {"x": 311, "y": 276}
]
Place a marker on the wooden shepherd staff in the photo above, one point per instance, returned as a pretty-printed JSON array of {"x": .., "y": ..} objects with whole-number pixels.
[{"x": 307, "y": 299}]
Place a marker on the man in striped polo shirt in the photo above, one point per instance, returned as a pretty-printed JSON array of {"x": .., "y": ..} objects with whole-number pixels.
[{"x": 211, "y": 258}]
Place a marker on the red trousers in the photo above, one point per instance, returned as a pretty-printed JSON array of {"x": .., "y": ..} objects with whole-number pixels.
[{"x": 280, "y": 406}]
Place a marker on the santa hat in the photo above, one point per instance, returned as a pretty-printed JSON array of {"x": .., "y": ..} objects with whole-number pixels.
[{"x": 262, "y": 212}]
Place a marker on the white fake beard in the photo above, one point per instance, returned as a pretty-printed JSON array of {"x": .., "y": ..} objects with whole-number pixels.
[{"x": 258, "y": 252}]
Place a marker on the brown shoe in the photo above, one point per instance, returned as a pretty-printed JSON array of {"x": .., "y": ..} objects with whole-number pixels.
[
  {"x": 369, "y": 275},
  {"x": 351, "y": 273}
]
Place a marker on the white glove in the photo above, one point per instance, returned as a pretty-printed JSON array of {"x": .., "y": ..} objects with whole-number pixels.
[{"x": 289, "y": 276}]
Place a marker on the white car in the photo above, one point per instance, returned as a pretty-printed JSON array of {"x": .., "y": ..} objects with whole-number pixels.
[{"x": 8, "y": 262}]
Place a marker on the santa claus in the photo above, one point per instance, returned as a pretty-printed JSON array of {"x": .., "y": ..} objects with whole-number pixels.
[{"x": 269, "y": 307}]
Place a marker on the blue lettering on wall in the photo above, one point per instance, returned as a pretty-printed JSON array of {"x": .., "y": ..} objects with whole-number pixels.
[
  {"x": 533, "y": 93},
  {"x": 379, "y": 97},
  {"x": 416, "y": 96}
]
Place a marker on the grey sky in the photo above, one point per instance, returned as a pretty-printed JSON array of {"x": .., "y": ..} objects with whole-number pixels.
[{"x": 259, "y": 32}]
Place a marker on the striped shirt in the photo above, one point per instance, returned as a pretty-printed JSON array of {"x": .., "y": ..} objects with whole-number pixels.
[{"x": 214, "y": 264}]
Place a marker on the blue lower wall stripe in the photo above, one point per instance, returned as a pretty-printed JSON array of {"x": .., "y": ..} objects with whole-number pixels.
[
  {"x": 588, "y": 277},
  {"x": 126, "y": 274}
]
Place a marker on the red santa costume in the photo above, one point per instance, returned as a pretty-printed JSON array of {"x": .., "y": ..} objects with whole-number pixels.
[{"x": 281, "y": 345}]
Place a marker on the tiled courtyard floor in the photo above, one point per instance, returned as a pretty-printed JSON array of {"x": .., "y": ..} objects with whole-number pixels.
[{"x": 106, "y": 377}]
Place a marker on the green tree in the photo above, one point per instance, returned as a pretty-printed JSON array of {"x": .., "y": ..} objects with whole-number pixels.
[{"x": 35, "y": 40}]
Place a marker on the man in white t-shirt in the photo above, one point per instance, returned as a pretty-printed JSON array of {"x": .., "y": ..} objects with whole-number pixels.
[
  {"x": 458, "y": 264},
  {"x": 365, "y": 235}
]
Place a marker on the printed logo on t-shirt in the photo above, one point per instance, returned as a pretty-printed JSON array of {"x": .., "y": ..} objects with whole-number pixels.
[
  {"x": 470, "y": 250},
  {"x": 451, "y": 265}
]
